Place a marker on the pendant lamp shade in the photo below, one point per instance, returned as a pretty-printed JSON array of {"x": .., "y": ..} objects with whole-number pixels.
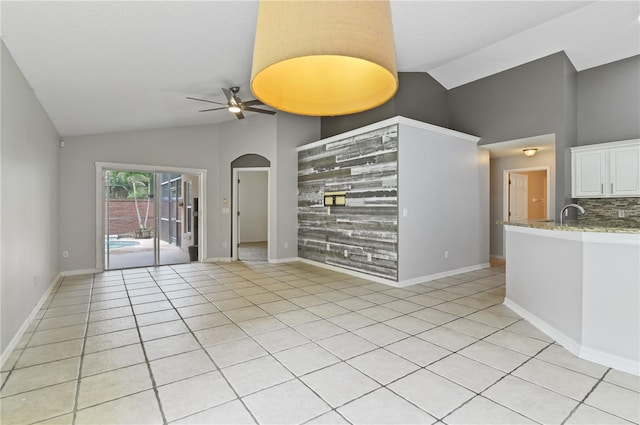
[{"x": 323, "y": 58}]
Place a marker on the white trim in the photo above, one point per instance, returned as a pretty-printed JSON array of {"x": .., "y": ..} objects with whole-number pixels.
[
  {"x": 202, "y": 199},
  {"x": 435, "y": 276},
  {"x": 18, "y": 336},
  {"x": 234, "y": 209},
  {"x": 202, "y": 216},
  {"x": 505, "y": 183},
  {"x": 283, "y": 260},
  {"x": 150, "y": 168},
  {"x": 566, "y": 341},
  {"x": 385, "y": 123},
  {"x": 572, "y": 345},
  {"x": 610, "y": 360},
  {"x": 218, "y": 260},
  {"x": 608, "y": 145},
  {"x": 80, "y": 272}
]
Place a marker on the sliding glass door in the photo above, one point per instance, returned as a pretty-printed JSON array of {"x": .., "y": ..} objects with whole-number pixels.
[{"x": 143, "y": 229}]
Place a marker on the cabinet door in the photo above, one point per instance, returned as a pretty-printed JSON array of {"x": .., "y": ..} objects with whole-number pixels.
[
  {"x": 588, "y": 174},
  {"x": 625, "y": 171}
]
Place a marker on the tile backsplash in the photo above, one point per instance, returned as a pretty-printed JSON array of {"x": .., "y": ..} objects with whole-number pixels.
[{"x": 598, "y": 210}]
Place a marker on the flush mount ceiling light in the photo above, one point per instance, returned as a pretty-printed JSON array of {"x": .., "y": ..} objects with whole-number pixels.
[
  {"x": 324, "y": 58},
  {"x": 530, "y": 151}
]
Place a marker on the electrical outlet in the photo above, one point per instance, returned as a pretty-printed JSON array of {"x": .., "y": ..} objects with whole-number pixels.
[
  {"x": 328, "y": 247},
  {"x": 446, "y": 254},
  {"x": 621, "y": 214},
  {"x": 65, "y": 254},
  {"x": 369, "y": 257},
  {"x": 286, "y": 245},
  {"x": 346, "y": 253}
]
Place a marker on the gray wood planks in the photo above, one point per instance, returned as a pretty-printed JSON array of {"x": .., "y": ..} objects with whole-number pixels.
[{"x": 366, "y": 167}]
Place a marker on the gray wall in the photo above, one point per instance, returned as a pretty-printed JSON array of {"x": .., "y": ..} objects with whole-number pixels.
[
  {"x": 609, "y": 102},
  {"x": 253, "y": 200},
  {"x": 211, "y": 147},
  {"x": 419, "y": 97},
  {"x": 292, "y": 131},
  {"x": 444, "y": 186},
  {"x": 544, "y": 158},
  {"x": 30, "y": 204},
  {"x": 529, "y": 100}
]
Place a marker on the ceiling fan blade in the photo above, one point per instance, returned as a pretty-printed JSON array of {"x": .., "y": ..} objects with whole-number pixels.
[
  {"x": 214, "y": 109},
  {"x": 262, "y": 111},
  {"x": 252, "y": 102},
  {"x": 203, "y": 100},
  {"x": 230, "y": 98}
]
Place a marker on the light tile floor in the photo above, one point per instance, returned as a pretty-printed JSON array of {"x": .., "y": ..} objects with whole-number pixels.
[{"x": 275, "y": 344}]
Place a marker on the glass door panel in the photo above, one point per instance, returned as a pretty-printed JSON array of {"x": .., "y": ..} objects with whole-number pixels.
[
  {"x": 172, "y": 212},
  {"x": 129, "y": 217}
]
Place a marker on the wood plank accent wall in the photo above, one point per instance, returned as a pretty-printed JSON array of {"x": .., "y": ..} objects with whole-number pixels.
[{"x": 366, "y": 167}]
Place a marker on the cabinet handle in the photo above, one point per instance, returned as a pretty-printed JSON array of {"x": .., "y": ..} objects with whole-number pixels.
[{"x": 601, "y": 188}]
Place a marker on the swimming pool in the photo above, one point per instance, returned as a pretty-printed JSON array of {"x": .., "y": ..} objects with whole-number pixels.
[{"x": 120, "y": 244}]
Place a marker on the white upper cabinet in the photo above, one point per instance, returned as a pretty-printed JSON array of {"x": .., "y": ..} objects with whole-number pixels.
[
  {"x": 625, "y": 171},
  {"x": 606, "y": 170}
]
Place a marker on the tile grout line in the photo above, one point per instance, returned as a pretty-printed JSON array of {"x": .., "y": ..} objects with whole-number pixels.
[
  {"x": 377, "y": 347},
  {"x": 144, "y": 352},
  {"x": 581, "y": 402},
  {"x": 251, "y": 280},
  {"x": 238, "y": 397},
  {"x": 82, "y": 350}
]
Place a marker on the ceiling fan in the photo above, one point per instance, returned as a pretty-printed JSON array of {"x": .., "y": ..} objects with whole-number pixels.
[{"x": 235, "y": 104}]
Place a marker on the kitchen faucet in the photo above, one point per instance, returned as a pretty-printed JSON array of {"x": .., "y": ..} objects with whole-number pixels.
[{"x": 564, "y": 211}]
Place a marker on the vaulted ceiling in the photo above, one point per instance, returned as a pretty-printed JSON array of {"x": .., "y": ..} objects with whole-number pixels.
[{"x": 122, "y": 65}]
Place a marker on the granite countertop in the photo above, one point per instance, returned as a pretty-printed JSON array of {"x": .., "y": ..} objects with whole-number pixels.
[{"x": 576, "y": 226}]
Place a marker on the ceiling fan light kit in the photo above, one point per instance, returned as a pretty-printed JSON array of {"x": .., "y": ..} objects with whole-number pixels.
[
  {"x": 234, "y": 104},
  {"x": 324, "y": 58}
]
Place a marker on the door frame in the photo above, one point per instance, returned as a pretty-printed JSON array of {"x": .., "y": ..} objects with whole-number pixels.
[
  {"x": 505, "y": 197},
  {"x": 515, "y": 176},
  {"x": 99, "y": 217},
  {"x": 234, "y": 209}
]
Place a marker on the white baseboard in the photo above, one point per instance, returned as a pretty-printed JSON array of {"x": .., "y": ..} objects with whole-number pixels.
[
  {"x": 575, "y": 347},
  {"x": 610, "y": 360},
  {"x": 283, "y": 260},
  {"x": 217, "y": 260},
  {"x": 560, "y": 337},
  {"x": 80, "y": 272},
  {"x": 18, "y": 336},
  {"x": 435, "y": 276}
]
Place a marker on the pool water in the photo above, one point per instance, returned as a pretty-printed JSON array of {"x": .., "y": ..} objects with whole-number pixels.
[{"x": 120, "y": 244}]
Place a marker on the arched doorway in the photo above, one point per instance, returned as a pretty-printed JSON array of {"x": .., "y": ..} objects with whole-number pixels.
[{"x": 250, "y": 222}]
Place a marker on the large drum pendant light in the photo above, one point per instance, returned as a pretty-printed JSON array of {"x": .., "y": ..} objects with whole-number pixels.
[{"x": 323, "y": 58}]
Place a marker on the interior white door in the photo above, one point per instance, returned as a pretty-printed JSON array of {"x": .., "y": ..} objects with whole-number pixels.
[{"x": 518, "y": 197}]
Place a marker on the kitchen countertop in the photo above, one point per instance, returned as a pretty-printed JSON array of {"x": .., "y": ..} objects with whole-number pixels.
[{"x": 576, "y": 226}]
